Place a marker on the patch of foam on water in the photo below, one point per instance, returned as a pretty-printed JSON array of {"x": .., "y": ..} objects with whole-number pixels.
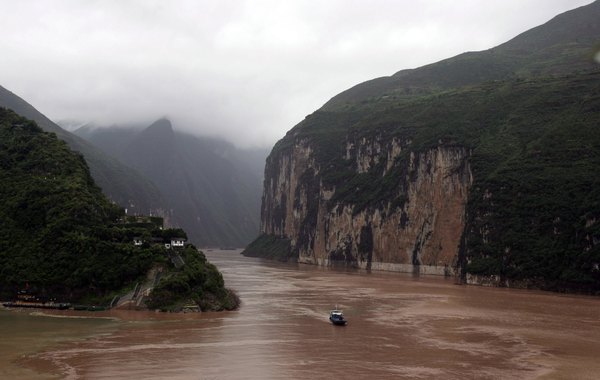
[
  {"x": 416, "y": 372},
  {"x": 42, "y": 314},
  {"x": 65, "y": 354},
  {"x": 67, "y": 372}
]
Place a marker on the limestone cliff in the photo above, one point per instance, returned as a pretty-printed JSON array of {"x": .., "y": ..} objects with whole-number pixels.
[{"x": 421, "y": 234}]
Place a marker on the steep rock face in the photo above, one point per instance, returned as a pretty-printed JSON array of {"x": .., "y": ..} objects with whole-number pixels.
[
  {"x": 422, "y": 234},
  {"x": 500, "y": 144}
]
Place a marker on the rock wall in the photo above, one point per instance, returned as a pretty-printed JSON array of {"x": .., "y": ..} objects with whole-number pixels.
[{"x": 422, "y": 235}]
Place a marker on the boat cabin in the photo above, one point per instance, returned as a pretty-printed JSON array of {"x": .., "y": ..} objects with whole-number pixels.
[{"x": 337, "y": 317}]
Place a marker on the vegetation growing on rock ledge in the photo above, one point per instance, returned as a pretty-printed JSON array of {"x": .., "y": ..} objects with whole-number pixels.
[{"x": 271, "y": 247}]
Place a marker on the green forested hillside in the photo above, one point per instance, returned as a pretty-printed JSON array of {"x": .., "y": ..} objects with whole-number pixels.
[
  {"x": 54, "y": 220},
  {"x": 122, "y": 184},
  {"x": 528, "y": 113},
  {"x": 60, "y": 236}
]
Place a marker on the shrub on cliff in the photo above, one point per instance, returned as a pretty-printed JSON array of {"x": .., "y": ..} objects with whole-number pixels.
[{"x": 271, "y": 247}]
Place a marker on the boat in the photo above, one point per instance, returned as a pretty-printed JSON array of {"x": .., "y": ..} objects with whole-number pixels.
[{"x": 337, "y": 317}]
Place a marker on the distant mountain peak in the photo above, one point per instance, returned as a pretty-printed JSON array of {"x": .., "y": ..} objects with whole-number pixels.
[
  {"x": 163, "y": 124},
  {"x": 161, "y": 129}
]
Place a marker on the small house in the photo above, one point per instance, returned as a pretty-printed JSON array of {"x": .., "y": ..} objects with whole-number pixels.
[
  {"x": 138, "y": 241},
  {"x": 177, "y": 242}
]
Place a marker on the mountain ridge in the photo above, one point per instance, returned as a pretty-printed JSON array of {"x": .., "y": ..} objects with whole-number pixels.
[
  {"x": 122, "y": 184},
  {"x": 479, "y": 166},
  {"x": 553, "y": 38},
  {"x": 212, "y": 187}
]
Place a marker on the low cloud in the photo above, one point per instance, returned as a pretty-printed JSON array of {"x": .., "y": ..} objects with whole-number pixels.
[{"x": 246, "y": 71}]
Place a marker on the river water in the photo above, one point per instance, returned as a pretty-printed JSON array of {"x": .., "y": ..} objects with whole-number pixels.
[{"x": 400, "y": 327}]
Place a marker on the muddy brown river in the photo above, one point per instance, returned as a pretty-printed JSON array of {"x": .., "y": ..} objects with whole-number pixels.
[{"x": 400, "y": 327}]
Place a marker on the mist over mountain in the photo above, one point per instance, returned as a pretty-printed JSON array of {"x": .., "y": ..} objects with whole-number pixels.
[
  {"x": 206, "y": 185},
  {"x": 120, "y": 183},
  {"x": 564, "y": 44},
  {"x": 212, "y": 188}
]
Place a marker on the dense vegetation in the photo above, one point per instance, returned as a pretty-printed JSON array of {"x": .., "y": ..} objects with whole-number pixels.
[
  {"x": 528, "y": 113},
  {"x": 198, "y": 282},
  {"x": 270, "y": 247},
  {"x": 60, "y": 236}
]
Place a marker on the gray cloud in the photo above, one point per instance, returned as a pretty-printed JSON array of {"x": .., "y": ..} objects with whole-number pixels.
[{"x": 243, "y": 70}]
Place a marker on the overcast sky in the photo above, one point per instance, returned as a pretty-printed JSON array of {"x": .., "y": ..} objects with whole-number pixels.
[{"x": 244, "y": 70}]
